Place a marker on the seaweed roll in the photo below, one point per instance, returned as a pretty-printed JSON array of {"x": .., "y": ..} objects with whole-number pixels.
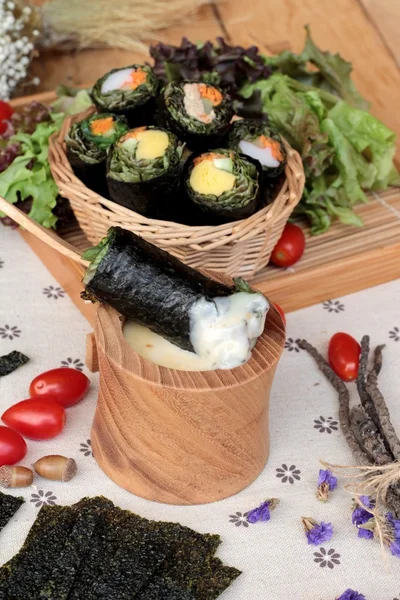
[
  {"x": 198, "y": 113},
  {"x": 219, "y": 323},
  {"x": 87, "y": 145},
  {"x": 130, "y": 91},
  {"x": 222, "y": 184},
  {"x": 256, "y": 139},
  {"x": 143, "y": 170}
]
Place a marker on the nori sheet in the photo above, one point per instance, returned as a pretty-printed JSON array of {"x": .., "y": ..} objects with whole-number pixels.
[
  {"x": 92, "y": 175},
  {"x": 95, "y": 551},
  {"x": 10, "y": 362},
  {"x": 159, "y": 589},
  {"x": 8, "y": 507},
  {"x": 150, "y": 286},
  {"x": 153, "y": 198}
]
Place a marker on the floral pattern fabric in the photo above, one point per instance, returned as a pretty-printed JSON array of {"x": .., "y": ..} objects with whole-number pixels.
[{"x": 38, "y": 318}]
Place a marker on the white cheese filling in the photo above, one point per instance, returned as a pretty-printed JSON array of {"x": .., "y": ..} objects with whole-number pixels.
[{"x": 223, "y": 333}]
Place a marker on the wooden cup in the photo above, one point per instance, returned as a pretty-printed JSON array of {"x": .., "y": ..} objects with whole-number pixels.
[{"x": 180, "y": 437}]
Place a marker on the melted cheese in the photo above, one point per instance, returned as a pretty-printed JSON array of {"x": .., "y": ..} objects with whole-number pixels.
[
  {"x": 206, "y": 178},
  {"x": 223, "y": 333}
]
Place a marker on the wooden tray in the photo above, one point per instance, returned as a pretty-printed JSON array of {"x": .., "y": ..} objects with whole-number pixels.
[
  {"x": 343, "y": 260},
  {"x": 346, "y": 259}
]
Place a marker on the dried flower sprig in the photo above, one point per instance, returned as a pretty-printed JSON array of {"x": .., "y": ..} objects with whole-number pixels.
[
  {"x": 370, "y": 524},
  {"x": 351, "y": 595},
  {"x": 317, "y": 533},
  {"x": 18, "y": 31},
  {"x": 262, "y": 512},
  {"x": 327, "y": 482}
]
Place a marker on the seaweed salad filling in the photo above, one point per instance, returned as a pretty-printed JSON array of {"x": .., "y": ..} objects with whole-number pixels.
[{"x": 219, "y": 323}]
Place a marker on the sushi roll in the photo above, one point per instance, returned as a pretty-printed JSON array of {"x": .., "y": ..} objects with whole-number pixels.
[
  {"x": 130, "y": 91},
  {"x": 87, "y": 145},
  {"x": 143, "y": 171},
  {"x": 222, "y": 185},
  {"x": 156, "y": 290},
  {"x": 198, "y": 113},
  {"x": 256, "y": 139}
]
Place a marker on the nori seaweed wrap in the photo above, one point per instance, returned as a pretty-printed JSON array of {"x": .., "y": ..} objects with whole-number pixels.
[
  {"x": 221, "y": 186},
  {"x": 129, "y": 91},
  {"x": 254, "y": 138},
  {"x": 88, "y": 143},
  {"x": 198, "y": 113},
  {"x": 147, "y": 285},
  {"x": 143, "y": 171}
]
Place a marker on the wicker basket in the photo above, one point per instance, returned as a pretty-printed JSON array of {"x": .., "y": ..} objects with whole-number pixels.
[{"x": 238, "y": 248}]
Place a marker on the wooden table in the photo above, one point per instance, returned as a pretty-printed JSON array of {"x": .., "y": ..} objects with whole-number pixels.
[{"x": 365, "y": 32}]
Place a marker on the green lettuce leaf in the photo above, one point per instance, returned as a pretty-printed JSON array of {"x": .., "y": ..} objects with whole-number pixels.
[
  {"x": 334, "y": 71},
  {"x": 372, "y": 140}
]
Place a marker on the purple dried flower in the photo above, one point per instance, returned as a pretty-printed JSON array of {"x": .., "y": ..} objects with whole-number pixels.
[
  {"x": 326, "y": 483},
  {"x": 360, "y": 516},
  {"x": 395, "y": 548},
  {"x": 262, "y": 512},
  {"x": 366, "y": 501},
  {"x": 365, "y": 533},
  {"x": 317, "y": 533},
  {"x": 351, "y": 595},
  {"x": 395, "y": 523}
]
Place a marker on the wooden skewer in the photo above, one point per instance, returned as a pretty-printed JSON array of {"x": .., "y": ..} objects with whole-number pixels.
[{"x": 45, "y": 235}]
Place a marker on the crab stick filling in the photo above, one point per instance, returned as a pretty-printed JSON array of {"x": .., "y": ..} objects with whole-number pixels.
[
  {"x": 264, "y": 149},
  {"x": 124, "y": 79}
]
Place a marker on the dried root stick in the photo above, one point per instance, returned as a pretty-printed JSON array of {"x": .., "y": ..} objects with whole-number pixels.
[
  {"x": 344, "y": 403},
  {"x": 381, "y": 406},
  {"x": 368, "y": 436}
]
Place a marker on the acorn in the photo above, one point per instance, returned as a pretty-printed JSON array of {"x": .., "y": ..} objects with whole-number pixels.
[
  {"x": 15, "y": 477},
  {"x": 56, "y": 467}
]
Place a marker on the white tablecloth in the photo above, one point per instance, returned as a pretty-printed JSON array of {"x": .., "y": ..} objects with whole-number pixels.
[{"x": 38, "y": 318}]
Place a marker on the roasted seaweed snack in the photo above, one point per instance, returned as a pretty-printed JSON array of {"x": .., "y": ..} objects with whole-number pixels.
[
  {"x": 8, "y": 507},
  {"x": 10, "y": 362},
  {"x": 130, "y": 91},
  {"x": 254, "y": 138},
  {"x": 87, "y": 144},
  {"x": 222, "y": 185},
  {"x": 143, "y": 171},
  {"x": 155, "y": 289},
  {"x": 198, "y": 113}
]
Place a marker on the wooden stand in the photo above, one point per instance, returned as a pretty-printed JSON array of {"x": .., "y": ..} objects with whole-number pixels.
[{"x": 175, "y": 436}]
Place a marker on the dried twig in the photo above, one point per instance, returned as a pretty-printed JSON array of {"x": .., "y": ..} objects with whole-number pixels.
[
  {"x": 344, "y": 402},
  {"x": 381, "y": 406},
  {"x": 368, "y": 436},
  {"x": 362, "y": 384}
]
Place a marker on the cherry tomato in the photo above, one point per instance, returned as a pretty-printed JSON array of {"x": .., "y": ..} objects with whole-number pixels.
[
  {"x": 12, "y": 446},
  {"x": 290, "y": 246},
  {"x": 37, "y": 418},
  {"x": 67, "y": 386},
  {"x": 344, "y": 356},
  {"x": 5, "y": 113},
  {"x": 280, "y": 311}
]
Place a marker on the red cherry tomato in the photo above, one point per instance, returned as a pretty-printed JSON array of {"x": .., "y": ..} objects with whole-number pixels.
[
  {"x": 290, "y": 246},
  {"x": 5, "y": 113},
  {"x": 12, "y": 446},
  {"x": 67, "y": 386},
  {"x": 36, "y": 418},
  {"x": 344, "y": 356},
  {"x": 280, "y": 311}
]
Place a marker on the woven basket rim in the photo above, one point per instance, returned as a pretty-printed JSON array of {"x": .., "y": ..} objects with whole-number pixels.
[{"x": 68, "y": 182}]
